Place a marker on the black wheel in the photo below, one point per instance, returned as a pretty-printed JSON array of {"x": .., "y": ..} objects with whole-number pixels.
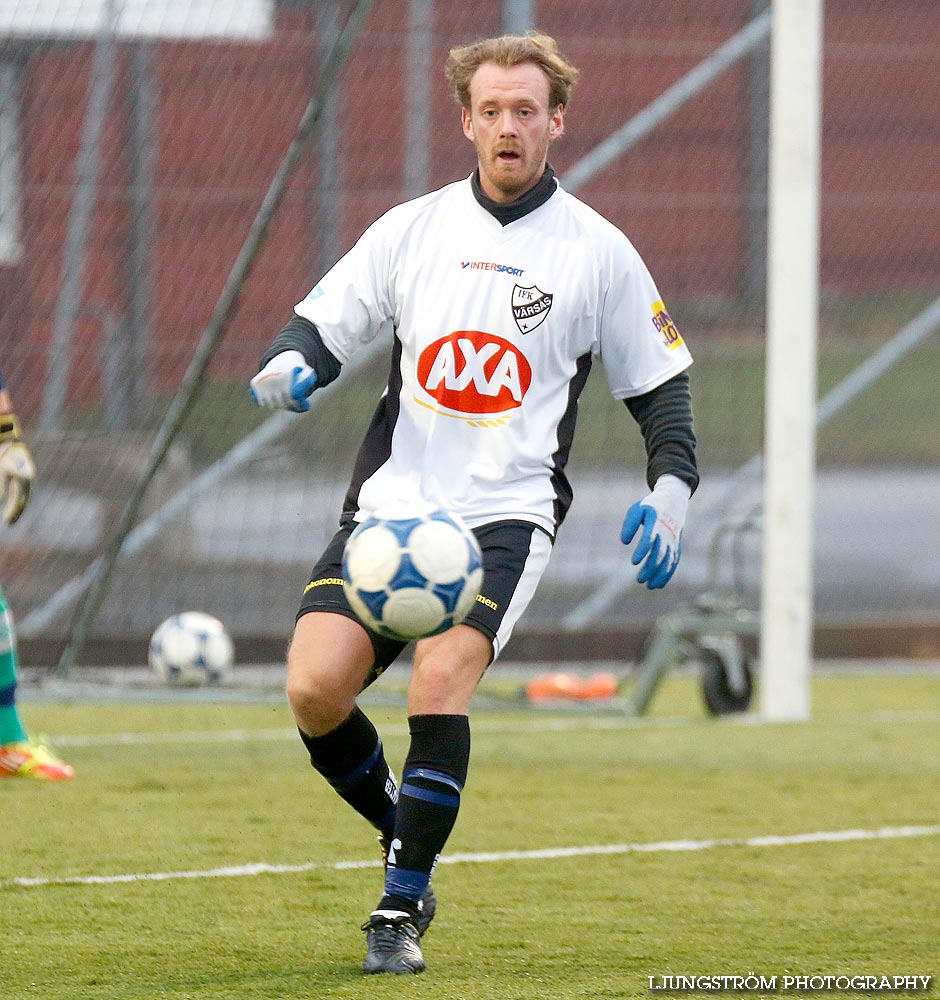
[{"x": 726, "y": 687}]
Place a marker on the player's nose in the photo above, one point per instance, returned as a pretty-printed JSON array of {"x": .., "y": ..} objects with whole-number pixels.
[{"x": 507, "y": 124}]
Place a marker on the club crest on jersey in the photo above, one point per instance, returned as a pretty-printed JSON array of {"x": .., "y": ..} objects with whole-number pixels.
[
  {"x": 474, "y": 375},
  {"x": 530, "y": 306}
]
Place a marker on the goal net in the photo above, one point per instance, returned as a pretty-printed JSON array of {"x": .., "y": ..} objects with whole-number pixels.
[{"x": 137, "y": 142}]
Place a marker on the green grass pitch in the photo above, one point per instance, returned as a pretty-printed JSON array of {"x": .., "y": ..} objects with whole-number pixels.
[{"x": 185, "y": 787}]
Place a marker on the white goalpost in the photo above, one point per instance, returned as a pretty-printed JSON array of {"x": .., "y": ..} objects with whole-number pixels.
[{"x": 792, "y": 319}]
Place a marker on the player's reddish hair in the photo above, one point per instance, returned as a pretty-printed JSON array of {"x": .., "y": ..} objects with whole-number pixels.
[{"x": 511, "y": 50}]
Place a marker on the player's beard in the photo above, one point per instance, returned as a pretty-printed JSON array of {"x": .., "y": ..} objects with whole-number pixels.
[{"x": 513, "y": 178}]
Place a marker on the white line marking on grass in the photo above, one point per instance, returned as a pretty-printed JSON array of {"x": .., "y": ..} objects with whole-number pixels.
[
  {"x": 537, "y": 725},
  {"x": 169, "y": 736},
  {"x": 395, "y": 729},
  {"x": 492, "y": 857},
  {"x": 903, "y": 715}
]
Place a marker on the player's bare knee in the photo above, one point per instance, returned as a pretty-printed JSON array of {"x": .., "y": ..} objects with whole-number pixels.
[
  {"x": 318, "y": 700},
  {"x": 446, "y": 672},
  {"x": 322, "y": 685},
  {"x": 431, "y": 693},
  {"x": 318, "y": 705}
]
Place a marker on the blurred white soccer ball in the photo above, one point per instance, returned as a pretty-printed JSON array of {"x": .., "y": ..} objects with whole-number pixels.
[
  {"x": 191, "y": 649},
  {"x": 412, "y": 571}
]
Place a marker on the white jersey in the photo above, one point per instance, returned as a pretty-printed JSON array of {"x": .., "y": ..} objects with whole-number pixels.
[{"x": 495, "y": 328}]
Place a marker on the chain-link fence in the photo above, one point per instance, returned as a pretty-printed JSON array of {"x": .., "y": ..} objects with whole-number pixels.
[{"x": 137, "y": 141}]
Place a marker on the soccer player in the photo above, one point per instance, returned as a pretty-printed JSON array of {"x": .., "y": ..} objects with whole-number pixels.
[
  {"x": 20, "y": 757},
  {"x": 499, "y": 291}
]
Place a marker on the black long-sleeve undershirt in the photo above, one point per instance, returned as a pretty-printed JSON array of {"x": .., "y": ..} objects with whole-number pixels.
[{"x": 665, "y": 418}]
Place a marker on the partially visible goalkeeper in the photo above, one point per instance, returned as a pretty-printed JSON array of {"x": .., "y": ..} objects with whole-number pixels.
[{"x": 20, "y": 757}]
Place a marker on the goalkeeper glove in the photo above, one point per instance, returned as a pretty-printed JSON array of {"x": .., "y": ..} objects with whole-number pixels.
[
  {"x": 284, "y": 383},
  {"x": 661, "y": 516},
  {"x": 17, "y": 469}
]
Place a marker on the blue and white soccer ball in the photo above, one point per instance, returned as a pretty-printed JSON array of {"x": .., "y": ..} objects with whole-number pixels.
[
  {"x": 191, "y": 649},
  {"x": 412, "y": 571}
]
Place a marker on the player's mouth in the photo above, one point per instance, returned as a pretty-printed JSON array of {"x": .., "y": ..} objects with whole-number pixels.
[{"x": 508, "y": 156}]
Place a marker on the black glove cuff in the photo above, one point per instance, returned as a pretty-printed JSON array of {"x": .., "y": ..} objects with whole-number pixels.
[
  {"x": 9, "y": 427},
  {"x": 300, "y": 334}
]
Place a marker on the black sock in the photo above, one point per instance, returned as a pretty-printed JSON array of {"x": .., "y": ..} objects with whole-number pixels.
[
  {"x": 351, "y": 759},
  {"x": 434, "y": 776}
]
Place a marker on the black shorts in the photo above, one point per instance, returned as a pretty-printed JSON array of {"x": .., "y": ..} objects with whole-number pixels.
[{"x": 515, "y": 554}]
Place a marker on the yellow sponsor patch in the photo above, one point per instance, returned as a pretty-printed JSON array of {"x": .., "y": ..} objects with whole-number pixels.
[
  {"x": 488, "y": 602},
  {"x": 336, "y": 581},
  {"x": 664, "y": 324}
]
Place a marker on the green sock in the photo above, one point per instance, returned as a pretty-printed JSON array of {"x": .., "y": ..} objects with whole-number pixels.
[{"x": 11, "y": 728}]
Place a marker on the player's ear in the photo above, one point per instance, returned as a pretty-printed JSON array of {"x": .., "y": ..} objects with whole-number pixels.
[
  {"x": 556, "y": 124},
  {"x": 467, "y": 122}
]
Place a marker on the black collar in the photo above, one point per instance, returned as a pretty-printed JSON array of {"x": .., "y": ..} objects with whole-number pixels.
[{"x": 509, "y": 211}]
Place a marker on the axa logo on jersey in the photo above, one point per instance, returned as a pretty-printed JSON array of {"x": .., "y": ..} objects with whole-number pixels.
[{"x": 474, "y": 373}]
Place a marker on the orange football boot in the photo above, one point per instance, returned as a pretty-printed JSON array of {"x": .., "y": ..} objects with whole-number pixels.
[{"x": 32, "y": 760}]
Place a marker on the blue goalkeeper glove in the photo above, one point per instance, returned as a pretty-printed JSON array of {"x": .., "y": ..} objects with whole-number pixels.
[
  {"x": 661, "y": 516},
  {"x": 284, "y": 383}
]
